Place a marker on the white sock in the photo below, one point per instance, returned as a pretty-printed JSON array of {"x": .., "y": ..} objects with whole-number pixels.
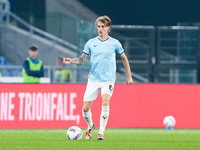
[
  {"x": 88, "y": 118},
  {"x": 104, "y": 118}
]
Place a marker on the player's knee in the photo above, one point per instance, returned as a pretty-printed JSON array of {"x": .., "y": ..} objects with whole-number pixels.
[
  {"x": 85, "y": 109},
  {"x": 105, "y": 102},
  {"x": 105, "y": 99}
]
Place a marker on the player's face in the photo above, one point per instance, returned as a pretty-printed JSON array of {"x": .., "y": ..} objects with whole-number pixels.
[
  {"x": 33, "y": 54},
  {"x": 102, "y": 29}
]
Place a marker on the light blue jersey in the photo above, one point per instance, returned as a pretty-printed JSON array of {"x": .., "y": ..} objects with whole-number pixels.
[{"x": 103, "y": 58}]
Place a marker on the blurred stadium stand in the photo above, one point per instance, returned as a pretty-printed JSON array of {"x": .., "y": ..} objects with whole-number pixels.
[{"x": 165, "y": 54}]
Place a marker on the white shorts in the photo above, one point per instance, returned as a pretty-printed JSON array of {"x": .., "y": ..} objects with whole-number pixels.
[{"x": 92, "y": 89}]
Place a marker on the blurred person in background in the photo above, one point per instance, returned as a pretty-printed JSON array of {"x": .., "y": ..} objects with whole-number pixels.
[
  {"x": 62, "y": 75},
  {"x": 102, "y": 50},
  {"x": 32, "y": 69}
]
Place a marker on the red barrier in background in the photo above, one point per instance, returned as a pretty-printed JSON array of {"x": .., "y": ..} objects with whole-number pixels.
[{"x": 60, "y": 106}]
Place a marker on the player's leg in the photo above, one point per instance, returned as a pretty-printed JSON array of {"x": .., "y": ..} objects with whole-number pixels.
[
  {"x": 87, "y": 113},
  {"x": 88, "y": 118},
  {"x": 90, "y": 95},
  {"x": 104, "y": 115},
  {"x": 106, "y": 93}
]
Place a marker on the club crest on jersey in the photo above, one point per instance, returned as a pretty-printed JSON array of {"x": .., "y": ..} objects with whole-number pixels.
[{"x": 109, "y": 45}]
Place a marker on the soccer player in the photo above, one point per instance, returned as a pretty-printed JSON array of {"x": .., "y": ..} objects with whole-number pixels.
[{"x": 102, "y": 50}]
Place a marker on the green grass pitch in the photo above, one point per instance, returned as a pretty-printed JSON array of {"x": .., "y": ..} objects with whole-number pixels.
[{"x": 115, "y": 139}]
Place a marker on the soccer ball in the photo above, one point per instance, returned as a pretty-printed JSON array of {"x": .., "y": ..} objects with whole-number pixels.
[
  {"x": 169, "y": 121},
  {"x": 74, "y": 133}
]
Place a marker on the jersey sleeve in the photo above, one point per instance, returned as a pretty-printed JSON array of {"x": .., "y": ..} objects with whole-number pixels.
[
  {"x": 119, "y": 48},
  {"x": 87, "y": 49}
]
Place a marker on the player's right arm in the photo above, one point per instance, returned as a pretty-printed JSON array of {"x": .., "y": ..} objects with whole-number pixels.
[{"x": 77, "y": 61}]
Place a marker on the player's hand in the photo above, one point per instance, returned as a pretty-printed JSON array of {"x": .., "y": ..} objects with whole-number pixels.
[
  {"x": 129, "y": 80},
  {"x": 66, "y": 60}
]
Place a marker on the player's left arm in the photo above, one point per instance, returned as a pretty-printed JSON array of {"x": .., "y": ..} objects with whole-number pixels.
[{"x": 125, "y": 61}]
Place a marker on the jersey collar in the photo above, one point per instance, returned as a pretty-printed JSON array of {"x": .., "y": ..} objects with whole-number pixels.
[{"x": 104, "y": 40}]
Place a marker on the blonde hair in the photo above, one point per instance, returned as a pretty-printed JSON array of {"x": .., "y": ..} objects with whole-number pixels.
[{"x": 105, "y": 20}]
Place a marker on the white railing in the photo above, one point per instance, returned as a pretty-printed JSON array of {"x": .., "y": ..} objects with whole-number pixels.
[{"x": 6, "y": 16}]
